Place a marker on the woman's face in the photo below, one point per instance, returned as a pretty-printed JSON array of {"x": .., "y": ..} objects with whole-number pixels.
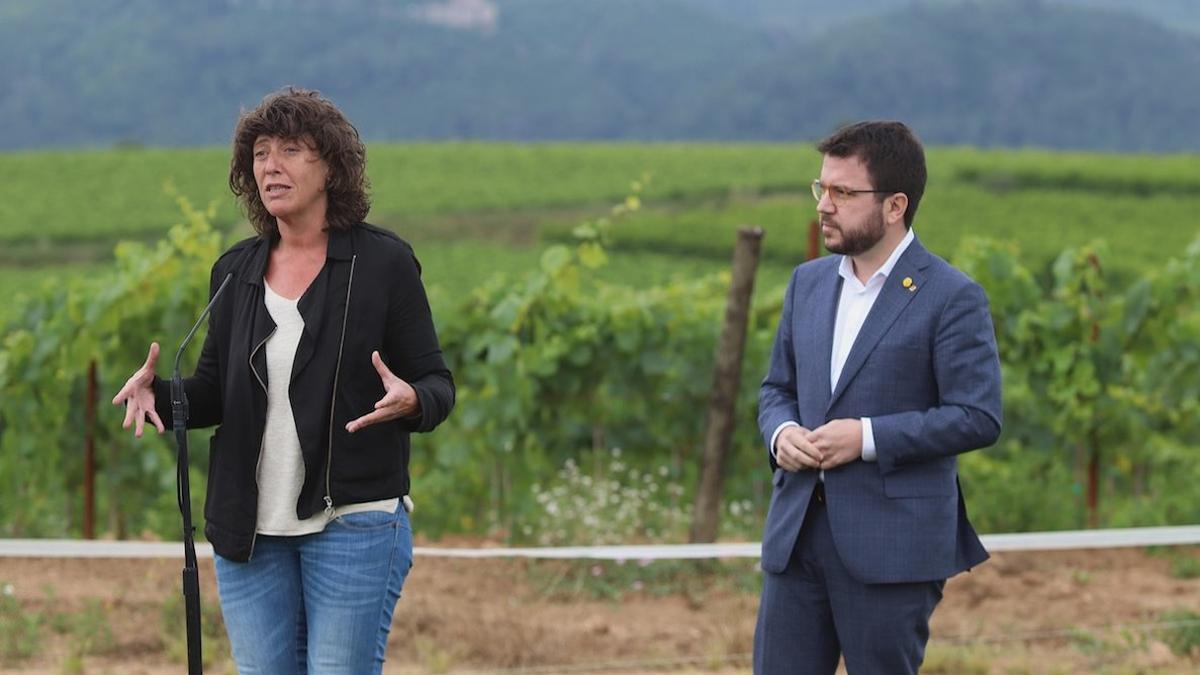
[{"x": 291, "y": 179}]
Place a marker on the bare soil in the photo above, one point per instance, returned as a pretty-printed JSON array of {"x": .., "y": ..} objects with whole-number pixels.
[{"x": 1058, "y": 612}]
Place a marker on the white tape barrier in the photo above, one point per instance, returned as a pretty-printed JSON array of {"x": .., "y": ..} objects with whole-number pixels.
[
  {"x": 1029, "y": 541},
  {"x": 1077, "y": 539}
]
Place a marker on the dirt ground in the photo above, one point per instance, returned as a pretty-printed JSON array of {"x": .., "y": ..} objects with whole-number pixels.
[{"x": 1059, "y": 612}]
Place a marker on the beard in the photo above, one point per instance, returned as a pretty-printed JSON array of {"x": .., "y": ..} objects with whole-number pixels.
[{"x": 859, "y": 240}]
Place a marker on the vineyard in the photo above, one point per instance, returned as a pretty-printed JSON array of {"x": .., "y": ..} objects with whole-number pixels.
[
  {"x": 68, "y": 206},
  {"x": 582, "y": 335}
]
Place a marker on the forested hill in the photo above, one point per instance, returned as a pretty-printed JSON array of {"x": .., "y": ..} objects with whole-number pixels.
[
  {"x": 1110, "y": 74},
  {"x": 989, "y": 73},
  {"x": 812, "y": 16}
]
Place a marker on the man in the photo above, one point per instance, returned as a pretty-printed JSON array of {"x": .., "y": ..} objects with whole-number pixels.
[{"x": 884, "y": 369}]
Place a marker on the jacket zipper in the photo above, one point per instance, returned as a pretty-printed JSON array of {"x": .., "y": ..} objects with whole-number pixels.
[
  {"x": 258, "y": 462},
  {"x": 333, "y": 396}
]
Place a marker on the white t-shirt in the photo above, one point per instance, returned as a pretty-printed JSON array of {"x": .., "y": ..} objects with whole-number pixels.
[{"x": 280, "y": 463}]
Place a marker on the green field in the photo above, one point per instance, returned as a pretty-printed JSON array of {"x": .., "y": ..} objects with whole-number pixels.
[
  {"x": 473, "y": 210},
  {"x": 95, "y": 195}
]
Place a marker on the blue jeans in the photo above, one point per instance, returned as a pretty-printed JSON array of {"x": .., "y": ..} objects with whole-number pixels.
[{"x": 319, "y": 603}]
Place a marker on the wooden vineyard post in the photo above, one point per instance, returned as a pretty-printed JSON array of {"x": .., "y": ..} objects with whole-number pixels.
[{"x": 727, "y": 373}]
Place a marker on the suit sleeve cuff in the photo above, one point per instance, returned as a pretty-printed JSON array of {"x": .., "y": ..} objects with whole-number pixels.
[
  {"x": 775, "y": 435},
  {"x": 868, "y": 440}
]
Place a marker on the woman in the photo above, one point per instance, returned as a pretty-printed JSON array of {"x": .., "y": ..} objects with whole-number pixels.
[{"x": 320, "y": 359}]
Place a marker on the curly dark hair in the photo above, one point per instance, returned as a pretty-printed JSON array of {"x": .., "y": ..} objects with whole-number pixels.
[
  {"x": 294, "y": 113},
  {"x": 894, "y": 157}
]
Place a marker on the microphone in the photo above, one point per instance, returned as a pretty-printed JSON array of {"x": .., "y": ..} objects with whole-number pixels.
[
  {"x": 191, "y": 578},
  {"x": 178, "y": 398}
]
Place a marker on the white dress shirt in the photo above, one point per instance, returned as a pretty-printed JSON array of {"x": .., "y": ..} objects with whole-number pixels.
[{"x": 854, "y": 304}]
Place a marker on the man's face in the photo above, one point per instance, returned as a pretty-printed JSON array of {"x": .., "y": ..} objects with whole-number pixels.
[{"x": 855, "y": 224}]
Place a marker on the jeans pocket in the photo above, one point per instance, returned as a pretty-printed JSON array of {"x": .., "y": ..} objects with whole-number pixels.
[{"x": 368, "y": 520}]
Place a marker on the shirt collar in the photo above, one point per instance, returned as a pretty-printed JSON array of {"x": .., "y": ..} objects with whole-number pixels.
[{"x": 846, "y": 268}]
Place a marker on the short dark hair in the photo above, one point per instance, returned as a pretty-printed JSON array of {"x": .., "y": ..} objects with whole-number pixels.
[
  {"x": 294, "y": 113},
  {"x": 894, "y": 157}
]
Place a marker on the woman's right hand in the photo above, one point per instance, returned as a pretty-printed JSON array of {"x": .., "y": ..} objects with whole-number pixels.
[{"x": 138, "y": 396}]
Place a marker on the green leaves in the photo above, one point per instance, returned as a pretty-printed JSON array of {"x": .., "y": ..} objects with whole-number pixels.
[
  {"x": 591, "y": 255},
  {"x": 1094, "y": 371},
  {"x": 559, "y": 365},
  {"x": 555, "y": 260},
  {"x": 573, "y": 367},
  {"x": 152, "y": 292}
]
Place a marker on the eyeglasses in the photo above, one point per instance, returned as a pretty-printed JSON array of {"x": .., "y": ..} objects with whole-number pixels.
[{"x": 839, "y": 195}]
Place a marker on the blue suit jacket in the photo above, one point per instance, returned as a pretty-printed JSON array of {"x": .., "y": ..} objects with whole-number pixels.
[{"x": 925, "y": 369}]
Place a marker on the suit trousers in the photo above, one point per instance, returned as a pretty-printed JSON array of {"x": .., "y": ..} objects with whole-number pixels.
[{"x": 815, "y": 612}]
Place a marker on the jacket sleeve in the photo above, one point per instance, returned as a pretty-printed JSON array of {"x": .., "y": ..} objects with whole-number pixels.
[
  {"x": 966, "y": 367},
  {"x": 203, "y": 388},
  {"x": 412, "y": 349},
  {"x": 777, "y": 402}
]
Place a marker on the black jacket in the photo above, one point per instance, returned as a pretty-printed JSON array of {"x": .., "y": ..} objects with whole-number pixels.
[{"x": 367, "y": 297}]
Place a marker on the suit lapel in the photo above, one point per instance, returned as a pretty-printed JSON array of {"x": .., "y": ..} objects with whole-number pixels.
[{"x": 893, "y": 299}]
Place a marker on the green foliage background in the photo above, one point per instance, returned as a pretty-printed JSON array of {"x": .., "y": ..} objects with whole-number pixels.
[{"x": 568, "y": 341}]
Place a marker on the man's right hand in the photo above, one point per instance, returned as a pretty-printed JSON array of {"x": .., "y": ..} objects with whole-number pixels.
[
  {"x": 138, "y": 396},
  {"x": 794, "y": 452}
]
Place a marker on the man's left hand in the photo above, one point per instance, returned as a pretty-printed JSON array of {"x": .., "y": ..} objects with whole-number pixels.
[{"x": 840, "y": 442}]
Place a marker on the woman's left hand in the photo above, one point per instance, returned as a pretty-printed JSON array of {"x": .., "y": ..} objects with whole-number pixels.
[{"x": 399, "y": 399}]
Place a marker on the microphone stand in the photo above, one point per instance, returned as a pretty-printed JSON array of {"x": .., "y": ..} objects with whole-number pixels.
[{"x": 191, "y": 577}]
